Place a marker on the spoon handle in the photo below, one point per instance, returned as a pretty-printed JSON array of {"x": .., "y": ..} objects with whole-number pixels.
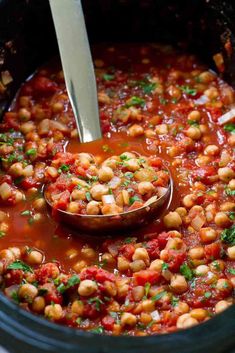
[{"x": 77, "y": 66}]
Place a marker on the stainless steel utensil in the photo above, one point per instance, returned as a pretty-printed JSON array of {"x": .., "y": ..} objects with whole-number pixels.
[{"x": 77, "y": 66}]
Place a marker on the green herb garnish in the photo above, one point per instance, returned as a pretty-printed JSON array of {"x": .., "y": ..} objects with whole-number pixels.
[
  {"x": 71, "y": 282},
  {"x": 133, "y": 199},
  {"x": 186, "y": 271},
  {"x": 31, "y": 152},
  {"x": 108, "y": 77},
  {"x": 63, "y": 168},
  {"x": 19, "y": 265},
  {"x": 188, "y": 90},
  {"x": 228, "y": 235},
  {"x": 230, "y": 127},
  {"x": 135, "y": 101}
]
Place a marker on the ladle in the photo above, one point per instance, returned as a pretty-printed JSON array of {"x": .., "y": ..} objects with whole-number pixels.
[{"x": 81, "y": 86}]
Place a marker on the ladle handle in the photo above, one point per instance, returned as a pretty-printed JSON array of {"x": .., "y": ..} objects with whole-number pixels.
[{"x": 77, "y": 66}]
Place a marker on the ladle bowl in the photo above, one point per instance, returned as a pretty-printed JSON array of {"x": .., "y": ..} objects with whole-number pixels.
[{"x": 103, "y": 223}]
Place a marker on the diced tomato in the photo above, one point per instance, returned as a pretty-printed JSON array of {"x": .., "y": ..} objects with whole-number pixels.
[
  {"x": 152, "y": 247},
  {"x": 135, "y": 205},
  {"x": 28, "y": 183},
  {"x": 162, "y": 240},
  {"x": 6, "y": 179},
  {"x": 47, "y": 272},
  {"x": 145, "y": 276},
  {"x": 11, "y": 120},
  {"x": 50, "y": 293},
  {"x": 89, "y": 273},
  {"x": 13, "y": 277},
  {"x": 108, "y": 322},
  {"x": 155, "y": 162},
  {"x": 204, "y": 174},
  {"x": 213, "y": 251},
  {"x": 44, "y": 86},
  {"x": 175, "y": 259},
  {"x": 63, "y": 201},
  {"x": 102, "y": 276},
  {"x": 127, "y": 251}
]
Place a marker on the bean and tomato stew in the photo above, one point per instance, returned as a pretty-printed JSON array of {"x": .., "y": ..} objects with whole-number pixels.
[{"x": 159, "y": 111}]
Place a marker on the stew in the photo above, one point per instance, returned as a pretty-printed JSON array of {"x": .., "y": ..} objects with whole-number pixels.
[{"x": 159, "y": 110}]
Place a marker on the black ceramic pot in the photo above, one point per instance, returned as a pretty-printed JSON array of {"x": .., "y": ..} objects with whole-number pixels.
[{"x": 27, "y": 40}]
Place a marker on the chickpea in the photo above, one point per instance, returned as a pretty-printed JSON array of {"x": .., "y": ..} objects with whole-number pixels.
[
  {"x": 196, "y": 253},
  {"x": 149, "y": 133},
  {"x": 54, "y": 312},
  {"x": 57, "y": 107},
  {"x": 207, "y": 235},
  {"x": 141, "y": 254},
  {"x": 38, "y": 304},
  {"x": 34, "y": 257},
  {"x": 104, "y": 98},
  {"x": 108, "y": 258},
  {"x": 231, "y": 184},
  {"x": 24, "y": 114},
  {"x": 186, "y": 321},
  {"x": 231, "y": 252},
  {"x": 194, "y": 133},
  {"x": 189, "y": 200},
  {"x": 87, "y": 288},
  {"x": 136, "y": 130},
  {"x": 226, "y": 174},
  {"x": 16, "y": 252},
  {"x": 174, "y": 92},
  {"x": 122, "y": 264},
  {"x": 132, "y": 164},
  {"x": 161, "y": 129},
  {"x": 145, "y": 318},
  {"x": 3, "y": 216},
  {"x": 211, "y": 93},
  {"x": 199, "y": 314},
  {"x": 181, "y": 211},
  {"x": 148, "y": 305},
  {"x": 156, "y": 265},
  {"x": 93, "y": 208},
  {"x": 172, "y": 220},
  {"x": 222, "y": 220},
  {"x": 79, "y": 266},
  {"x": 181, "y": 308},
  {"x": 212, "y": 150},
  {"x": 221, "y": 306},
  {"x": 227, "y": 206},
  {"x": 138, "y": 293},
  {"x": 179, "y": 284},
  {"x": 110, "y": 288},
  {"x": 27, "y": 292},
  {"x": 7, "y": 255},
  {"x": 73, "y": 207},
  {"x": 223, "y": 285},
  {"x": 88, "y": 253},
  {"x": 39, "y": 204},
  {"x": 231, "y": 140},
  {"x": 98, "y": 190},
  {"x": 111, "y": 208},
  {"x": 105, "y": 174},
  {"x": 217, "y": 266},
  {"x": 206, "y": 77},
  {"x": 194, "y": 115},
  {"x": 128, "y": 319},
  {"x": 77, "y": 307},
  {"x": 79, "y": 194},
  {"x": 145, "y": 187},
  {"x": 122, "y": 287},
  {"x": 202, "y": 270},
  {"x": 137, "y": 265}
]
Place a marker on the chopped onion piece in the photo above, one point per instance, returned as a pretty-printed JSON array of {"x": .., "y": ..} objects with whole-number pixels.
[
  {"x": 155, "y": 315},
  {"x": 198, "y": 222},
  {"x": 108, "y": 199},
  {"x": 227, "y": 117},
  {"x": 151, "y": 200},
  {"x": 114, "y": 182},
  {"x": 6, "y": 77},
  {"x": 202, "y": 100}
]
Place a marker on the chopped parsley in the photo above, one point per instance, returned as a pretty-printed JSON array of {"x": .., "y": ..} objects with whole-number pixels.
[
  {"x": 129, "y": 175},
  {"x": 186, "y": 271},
  {"x": 158, "y": 296},
  {"x": 31, "y": 152},
  {"x": 106, "y": 148},
  {"x": 147, "y": 86},
  {"x": 19, "y": 265},
  {"x": 26, "y": 213},
  {"x": 146, "y": 289},
  {"x": 71, "y": 282},
  {"x": 63, "y": 168},
  {"x": 133, "y": 199},
  {"x": 99, "y": 329},
  {"x": 230, "y": 127},
  {"x": 229, "y": 192},
  {"x": 193, "y": 122},
  {"x": 207, "y": 295},
  {"x": 2, "y": 234},
  {"x": 98, "y": 302},
  {"x": 108, "y": 77},
  {"x": 228, "y": 235},
  {"x": 174, "y": 301},
  {"x": 232, "y": 271},
  {"x": 88, "y": 196},
  {"x": 188, "y": 90},
  {"x": 135, "y": 101},
  {"x": 165, "y": 266}
]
